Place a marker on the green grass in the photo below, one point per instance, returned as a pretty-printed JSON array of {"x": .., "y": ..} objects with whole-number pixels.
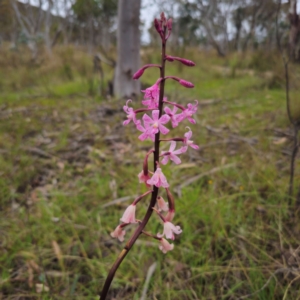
[{"x": 63, "y": 158}]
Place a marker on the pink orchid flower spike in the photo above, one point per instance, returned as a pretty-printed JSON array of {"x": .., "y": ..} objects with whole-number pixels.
[
  {"x": 173, "y": 154},
  {"x": 129, "y": 214},
  {"x": 158, "y": 179},
  {"x": 118, "y": 233},
  {"x": 187, "y": 139},
  {"x": 130, "y": 113},
  {"x": 165, "y": 246},
  {"x": 156, "y": 123},
  {"x": 169, "y": 230}
]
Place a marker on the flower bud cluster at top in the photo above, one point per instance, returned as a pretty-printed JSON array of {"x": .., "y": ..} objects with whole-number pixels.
[{"x": 151, "y": 125}]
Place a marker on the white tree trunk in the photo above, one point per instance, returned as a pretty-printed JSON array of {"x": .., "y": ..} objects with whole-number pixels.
[
  {"x": 48, "y": 27},
  {"x": 128, "y": 48}
]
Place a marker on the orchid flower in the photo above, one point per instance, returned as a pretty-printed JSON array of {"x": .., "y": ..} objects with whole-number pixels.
[
  {"x": 156, "y": 122},
  {"x": 146, "y": 131},
  {"x": 172, "y": 115},
  {"x": 158, "y": 179},
  {"x": 169, "y": 230},
  {"x": 173, "y": 154},
  {"x": 118, "y": 233},
  {"x": 129, "y": 214},
  {"x": 152, "y": 92},
  {"x": 188, "y": 112},
  {"x": 162, "y": 204},
  {"x": 130, "y": 113},
  {"x": 165, "y": 246},
  {"x": 187, "y": 140}
]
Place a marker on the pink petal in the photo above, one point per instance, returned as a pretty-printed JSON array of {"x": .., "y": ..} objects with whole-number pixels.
[
  {"x": 174, "y": 122},
  {"x": 180, "y": 117},
  {"x": 189, "y": 134},
  {"x": 129, "y": 214},
  {"x": 180, "y": 150},
  {"x": 165, "y": 160},
  {"x": 155, "y": 115},
  {"x": 165, "y": 246},
  {"x": 163, "y": 129},
  {"x": 118, "y": 233},
  {"x": 164, "y": 119},
  {"x": 126, "y": 122},
  {"x": 143, "y": 136},
  {"x": 172, "y": 146},
  {"x": 154, "y": 180},
  {"x": 147, "y": 119},
  {"x": 194, "y": 146},
  {"x": 162, "y": 204},
  {"x": 167, "y": 110},
  {"x": 175, "y": 159},
  {"x": 163, "y": 180},
  {"x": 191, "y": 120}
]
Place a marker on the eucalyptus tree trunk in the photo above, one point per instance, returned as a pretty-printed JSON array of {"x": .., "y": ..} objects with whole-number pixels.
[
  {"x": 128, "y": 48},
  {"x": 294, "y": 30}
]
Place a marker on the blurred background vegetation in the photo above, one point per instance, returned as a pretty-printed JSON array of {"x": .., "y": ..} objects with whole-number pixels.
[{"x": 68, "y": 167}]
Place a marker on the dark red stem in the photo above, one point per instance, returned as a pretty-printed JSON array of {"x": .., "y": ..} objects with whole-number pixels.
[{"x": 149, "y": 212}]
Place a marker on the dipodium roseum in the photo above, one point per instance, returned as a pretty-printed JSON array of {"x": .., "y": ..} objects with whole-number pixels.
[
  {"x": 187, "y": 140},
  {"x": 143, "y": 178},
  {"x": 152, "y": 92},
  {"x": 158, "y": 179},
  {"x": 130, "y": 113},
  {"x": 172, "y": 115},
  {"x": 165, "y": 246},
  {"x": 156, "y": 123},
  {"x": 169, "y": 230},
  {"x": 162, "y": 204},
  {"x": 153, "y": 124},
  {"x": 118, "y": 233},
  {"x": 129, "y": 214},
  {"x": 147, "y": 131},
  {"x": 172, "y": 154},
  {"x": 188, "y": 112}
]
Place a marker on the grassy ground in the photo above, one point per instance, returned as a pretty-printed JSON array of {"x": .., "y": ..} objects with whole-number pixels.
[{"x": 65, "y": 157}]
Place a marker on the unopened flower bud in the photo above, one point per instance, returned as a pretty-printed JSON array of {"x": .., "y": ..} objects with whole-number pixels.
[
  {"x": 138, "y": 73},
  {"x": 169, "y": 58},
  {"x": 157, "y": 26},
  {"x": 186, "y": 62},
  {"x": 186, "y": 84}
]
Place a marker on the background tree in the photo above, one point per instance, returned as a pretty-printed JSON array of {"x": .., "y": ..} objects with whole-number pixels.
[
  {"x": 294, "y": 31},
  {"x": 128, "y": 48}
]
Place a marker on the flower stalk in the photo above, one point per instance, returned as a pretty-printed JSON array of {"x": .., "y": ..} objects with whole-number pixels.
[{"x": 154, "y": 100}]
